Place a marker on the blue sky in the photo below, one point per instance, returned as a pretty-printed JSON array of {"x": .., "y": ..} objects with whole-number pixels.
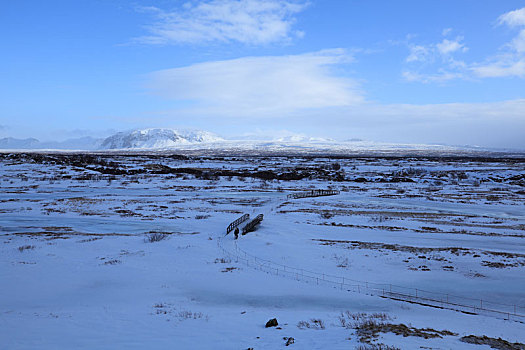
[{"x": 434, "y": 71}]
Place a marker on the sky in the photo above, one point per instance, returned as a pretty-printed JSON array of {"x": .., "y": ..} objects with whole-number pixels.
[{"x": 434, "y": 71}]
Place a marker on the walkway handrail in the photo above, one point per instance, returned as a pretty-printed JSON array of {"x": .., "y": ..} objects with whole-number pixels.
[
  {"x": 385, "y": 290},
  {"x": 237, "y": 222},
  {"x": 313, "y": 193},
  {"x": 251, "y": 225}
]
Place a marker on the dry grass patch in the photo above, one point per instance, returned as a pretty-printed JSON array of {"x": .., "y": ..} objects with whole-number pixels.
[{"x": 494, "y": 343}]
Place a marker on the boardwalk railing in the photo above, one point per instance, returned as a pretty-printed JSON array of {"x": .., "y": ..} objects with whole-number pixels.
[
  {"x": 313, "y": 193},
  {"x": 237, "y": 222},
  {"x": 385, "y": 290},
  {"x": 251, "y": 225}
]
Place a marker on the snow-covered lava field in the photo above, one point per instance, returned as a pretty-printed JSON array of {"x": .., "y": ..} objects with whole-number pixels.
[{"x": 129, "y": 251}]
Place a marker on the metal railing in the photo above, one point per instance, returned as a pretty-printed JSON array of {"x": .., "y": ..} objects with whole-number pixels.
[
  {"x": 313, "y": 193},
  {"x": 419, "y": 296},
  {"x": 251, "y": 225},
  {"x": 385, "y": 290},
  {"x": 237, "y": 222}
]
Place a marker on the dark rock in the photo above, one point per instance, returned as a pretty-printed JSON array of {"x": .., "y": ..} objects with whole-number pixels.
[
  {"x": 289, "y": 341},
  {"x": 272, "y": 323}
]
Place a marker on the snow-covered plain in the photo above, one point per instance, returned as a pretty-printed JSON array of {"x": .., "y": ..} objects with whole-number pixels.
[{"x": 77, "y": 269}]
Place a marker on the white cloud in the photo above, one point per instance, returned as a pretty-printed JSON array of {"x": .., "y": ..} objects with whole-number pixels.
[
  {"x": 439, "y": 77},
  {"x": 446, "y": 31},
  {"x": 433, "y": 52},
  {"x": 447, "y": 47},
  {"x": 270, "y": 85},
  {"x": 435, "y": 62},
  {"x": 518, "y": 43},
  {"x": 513, "y": 18},
  {"x": 244, "y": 21},
  {"x": 418, "y": 53},
  {"x": 510, "y": 62},
  {"x": 503, "y": 66}
]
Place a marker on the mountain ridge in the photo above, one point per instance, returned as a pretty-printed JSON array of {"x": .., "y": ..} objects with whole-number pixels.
[
  {"x": 160, "y": 139},
  {"x": 155, "y": 138}
]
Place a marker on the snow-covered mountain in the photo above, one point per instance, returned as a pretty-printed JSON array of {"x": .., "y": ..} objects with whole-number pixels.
[
  {"x": 158, "y": 138},
  {"x": 161, "y": 139}
]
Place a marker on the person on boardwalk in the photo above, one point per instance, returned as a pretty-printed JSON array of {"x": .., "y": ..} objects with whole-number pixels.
[{"x": 236, "y": 232}]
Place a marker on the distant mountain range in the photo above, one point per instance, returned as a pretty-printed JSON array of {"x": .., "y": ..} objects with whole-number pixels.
[
  {"x": 136, "y": 139},
  {"x": 172, "y": 139},
  {"x": 83, "y": 143}
]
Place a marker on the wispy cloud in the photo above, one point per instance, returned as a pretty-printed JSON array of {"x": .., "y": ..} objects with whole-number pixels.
[
  {"x": 513, "y": 18},
  {"x": 446, "y": 31},
  {"x": 441, "y": 51},
  {"x": 501, "y": 66},
  {"x": 438, "y": 63},
  {"x": 440, "y": 76},
  {"x": 270, "y": 85},
  {"x": 435, "y": 62},
  {"x": 447, "y": 47},
  {"x": 246, "y": 21},
  {"x": 510, "y": 62},
  {"x": 418, "y": 53}
]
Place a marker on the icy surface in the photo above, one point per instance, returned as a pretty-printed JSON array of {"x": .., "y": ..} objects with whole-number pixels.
[{"x": 77, "y": 269}]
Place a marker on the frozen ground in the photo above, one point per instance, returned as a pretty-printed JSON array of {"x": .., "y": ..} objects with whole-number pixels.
[{"x": 77, "y": 269}]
